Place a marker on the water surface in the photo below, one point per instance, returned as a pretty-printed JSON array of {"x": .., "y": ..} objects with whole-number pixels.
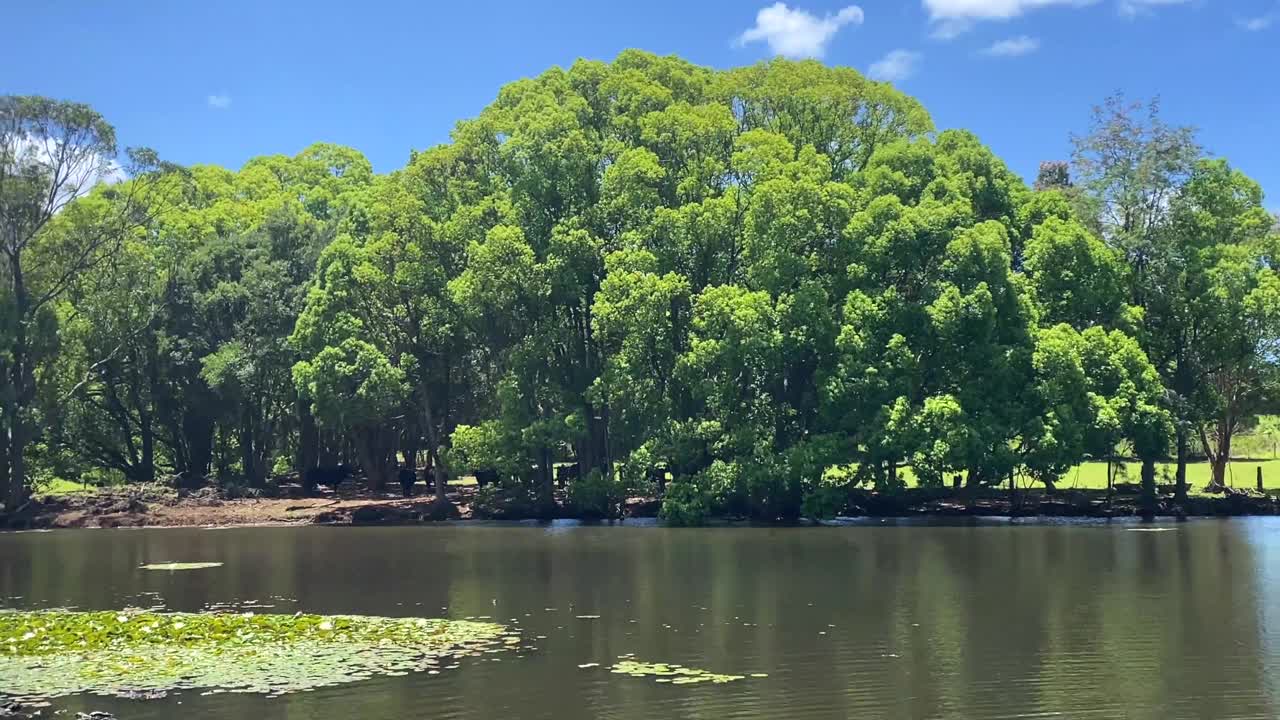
[{"x": 1075, "y": 620}]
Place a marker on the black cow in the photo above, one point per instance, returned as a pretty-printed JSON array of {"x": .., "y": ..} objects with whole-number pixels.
[
  {"x": 328, "y": 475},
  {"x": 566, "y": 474},
  {"x": 487, "y": 476},
  {"x": 407, "y": 479}
]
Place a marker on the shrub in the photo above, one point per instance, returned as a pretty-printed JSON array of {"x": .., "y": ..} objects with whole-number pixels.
[
  {"x": 496, "y": 502},
  {"x": 725, "y": 488},
  {"x": 596, "y": 496},
  {"x": 825, "y": 501},
  {"x": 686, "y": 504}
]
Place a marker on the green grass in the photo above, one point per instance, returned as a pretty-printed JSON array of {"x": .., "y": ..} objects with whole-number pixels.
[
  {"x": 58, "y": 486},
  {"x": 1093, "y": 475},
  {"x": 1240, "y": 474}
]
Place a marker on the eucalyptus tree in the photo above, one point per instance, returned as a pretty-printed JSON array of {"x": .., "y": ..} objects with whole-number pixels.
[
  {"x": 51, "y": 154},
  {"x": 175, "y": 357},
  {"x": 1131, "y": 167},
  {"x": 1191, "y": 232}
]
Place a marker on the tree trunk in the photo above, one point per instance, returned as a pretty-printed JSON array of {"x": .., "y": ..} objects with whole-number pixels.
[
  {"x": 18, "y": 490},
  {"x": 546, "y": 490},
  {"x": 248, "y": 466},
  {"x": 147, "y": 465},
  {"x": 198, "y": 429},
  {"x": 1147, "y": 498},
  {"x": 4, "y": 463},
  {"x": 1219, "y": 452},
  {"x": 1219, "y": 472},
  {"x": 17, "y": 468},
  {"x": 372, "y": 460},
  {"x": 23, "y": 389},
  {"x": 308, "y": 440},
  {"x": 220, "y": 452},
  {"x": 594, "y": 451},
  {"x": 409, "y": 449},
  {"x": 439, "y": 476},
  {"x": 1180, "y": 475},
  {"x": 1224, "y": 453},
  {"x": 435, "y": 443},
  {"x": 147, "y": 407}
]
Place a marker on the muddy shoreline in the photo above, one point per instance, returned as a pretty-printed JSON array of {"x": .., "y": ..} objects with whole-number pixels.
[{"x": 163, "y": 507}]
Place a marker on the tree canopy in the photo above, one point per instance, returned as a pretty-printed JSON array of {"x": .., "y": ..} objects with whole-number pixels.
[{"x": 764, "y": 282}]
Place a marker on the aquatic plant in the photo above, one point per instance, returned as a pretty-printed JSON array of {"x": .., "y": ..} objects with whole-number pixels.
[
  {"x": 671, "y": 673},
  {"x": 55, "y": 653},
  {"x": 171, "y": 566}
]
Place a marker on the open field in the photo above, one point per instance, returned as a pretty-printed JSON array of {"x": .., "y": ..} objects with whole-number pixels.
[
  {"x": 1093, "y": 475},
  {"x": 1240, "y": 474}
]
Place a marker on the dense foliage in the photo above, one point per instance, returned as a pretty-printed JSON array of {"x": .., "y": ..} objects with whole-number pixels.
[{"x": 763, "y": 283}]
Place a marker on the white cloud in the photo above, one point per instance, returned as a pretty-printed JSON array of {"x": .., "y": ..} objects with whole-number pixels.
[
  {"x": 1132, "y": 8},
  {"x": 971, "y": 10},
  {"x": 954, "y": 17},
  {"x": 796, "y": 33},
  {"x": 219, "y": 102},
  {"x": 79, "y": 170},
  {"x": 1257, "y": 24},
  {"x": 1014, "y": 47},
  {"x": 897, "y": 66}
]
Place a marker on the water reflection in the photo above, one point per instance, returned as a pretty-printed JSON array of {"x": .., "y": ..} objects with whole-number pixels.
[{"x": 870, "y": 621}]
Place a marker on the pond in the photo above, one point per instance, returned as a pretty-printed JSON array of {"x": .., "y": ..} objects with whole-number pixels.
[{"x": 871, "y": 620}]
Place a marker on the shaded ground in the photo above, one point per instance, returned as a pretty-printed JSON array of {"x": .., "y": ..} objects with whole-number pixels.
[
  {"x": 156, "y": 506},
  {"x": 151, "y": 506}
]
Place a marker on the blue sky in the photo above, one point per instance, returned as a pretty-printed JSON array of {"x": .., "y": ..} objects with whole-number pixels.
[{"x": 221, "y": 82}]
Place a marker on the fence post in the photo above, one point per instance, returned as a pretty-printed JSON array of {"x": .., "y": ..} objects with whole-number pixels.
[{"x": 1259, "y": 478}]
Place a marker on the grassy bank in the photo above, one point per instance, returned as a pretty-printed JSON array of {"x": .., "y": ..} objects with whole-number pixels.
[{"x": 1093, "y": 475}]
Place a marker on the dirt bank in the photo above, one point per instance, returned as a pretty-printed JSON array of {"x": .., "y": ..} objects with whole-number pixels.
[{"x": 164, "y": 507}]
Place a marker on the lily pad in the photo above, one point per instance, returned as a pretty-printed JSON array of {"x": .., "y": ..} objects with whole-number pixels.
[
  {"x": 56, "y": 653},
  {"x": 671, "y": 673},
  {"x": 182, "y": 566}
]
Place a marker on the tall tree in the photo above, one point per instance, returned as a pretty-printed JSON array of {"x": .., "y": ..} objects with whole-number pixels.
[
  {"x": 1131, "y": 167},
  {"x": 51, "y": 154},
  {"x": 1227, "y": 270}
]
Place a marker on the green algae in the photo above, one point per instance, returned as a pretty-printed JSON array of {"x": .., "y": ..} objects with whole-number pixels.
[
  {"x": 671, "y": 673},
  {"x": 56, "y": 653}
]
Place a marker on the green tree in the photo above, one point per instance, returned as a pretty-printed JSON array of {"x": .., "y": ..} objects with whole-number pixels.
[
  {"x": 356, "y": 389},
  {"x": 51, "y": 154},
  {"x": 1227, "y": 268},
  {"x": 1131, "y": 166}
]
